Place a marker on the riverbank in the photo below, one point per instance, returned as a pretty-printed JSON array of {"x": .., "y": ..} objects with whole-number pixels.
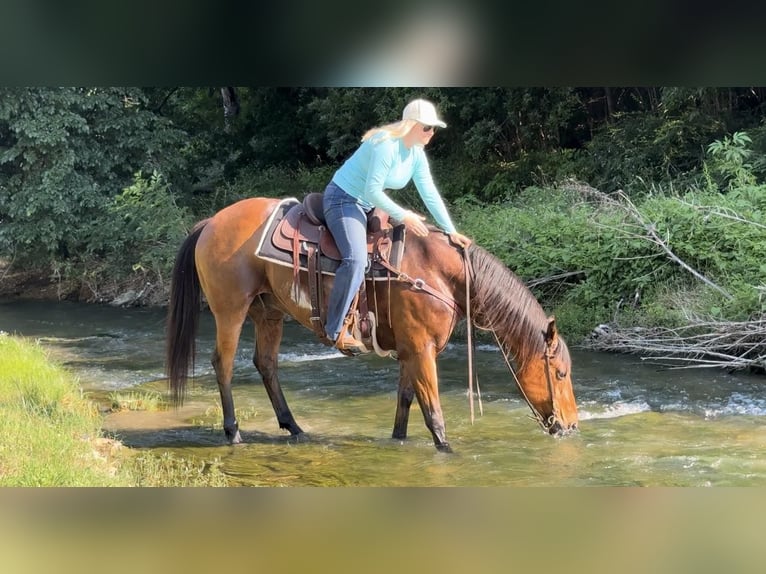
[
  {"x": 50, "y": 434},
  {"x": 42, "y": 285}
]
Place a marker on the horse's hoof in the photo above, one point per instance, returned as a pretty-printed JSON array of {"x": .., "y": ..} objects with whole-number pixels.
[
  {"x": 444, "y": 447},
  {"x": 300, "y": 437},
  {"x": 236, "y": 439}
]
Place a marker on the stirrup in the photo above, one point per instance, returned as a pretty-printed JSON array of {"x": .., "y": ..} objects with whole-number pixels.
[
  {"x": 350, "y": 345},
  {"x": 349, "y": 340}
]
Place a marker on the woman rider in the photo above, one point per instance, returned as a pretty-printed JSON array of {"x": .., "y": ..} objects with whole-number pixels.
[{"x": 388, "y": 158}]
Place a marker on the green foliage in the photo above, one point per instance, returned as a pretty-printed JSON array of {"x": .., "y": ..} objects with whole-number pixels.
[
  {"x": 639, "y": 146},
  {"x": 102, "y": 183},
  {"x": 165, "y": 469},
  {"x": 730, "y": 160},
  {"x": 64, "y": 153},
  {"x": 456, "y": 181},
  {"x": 599, "y": 261},
  {"x": 502, "y": 124},
  {"x": 137, "y": 401},
  {"x": 270, "y": 182},
  {"x": 147, "y": 227}
]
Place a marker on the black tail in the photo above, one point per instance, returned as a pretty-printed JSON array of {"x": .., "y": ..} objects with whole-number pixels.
[{"x": 183, "y": 316}]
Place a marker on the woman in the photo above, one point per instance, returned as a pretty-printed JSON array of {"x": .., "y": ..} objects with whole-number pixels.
[{"x": 389, "y": 157}]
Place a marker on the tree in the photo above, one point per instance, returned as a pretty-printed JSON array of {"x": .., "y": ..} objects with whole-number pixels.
[{"x": 64, "y": 154}]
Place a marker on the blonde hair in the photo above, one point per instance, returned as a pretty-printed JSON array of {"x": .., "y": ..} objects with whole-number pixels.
[{"x": 395, "y": 130}]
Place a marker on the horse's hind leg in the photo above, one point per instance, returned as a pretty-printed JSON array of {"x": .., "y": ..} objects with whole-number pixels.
[
  {"x": 269, "y": 324},
  {"x": 227, "y": 337}
]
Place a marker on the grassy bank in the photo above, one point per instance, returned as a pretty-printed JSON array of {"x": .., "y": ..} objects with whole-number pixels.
[{"x": 50, "y": 435}]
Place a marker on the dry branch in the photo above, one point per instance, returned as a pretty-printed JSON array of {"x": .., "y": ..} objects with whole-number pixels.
[{"x": 724, "y": 344}]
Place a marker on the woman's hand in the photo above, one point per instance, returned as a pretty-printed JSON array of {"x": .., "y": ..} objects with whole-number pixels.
[
  {"x": 414, "y": 223},
  {"x": 460, "y": 239}
]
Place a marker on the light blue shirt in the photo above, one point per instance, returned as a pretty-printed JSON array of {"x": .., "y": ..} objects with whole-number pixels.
[{"x": 385, "y": 163}]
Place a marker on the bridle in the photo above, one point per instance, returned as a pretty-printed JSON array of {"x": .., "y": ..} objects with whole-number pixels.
[{"x": 548, "y": 354}]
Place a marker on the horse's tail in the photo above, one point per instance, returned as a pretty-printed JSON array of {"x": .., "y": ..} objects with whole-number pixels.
[{"x": 183, "y": 316}]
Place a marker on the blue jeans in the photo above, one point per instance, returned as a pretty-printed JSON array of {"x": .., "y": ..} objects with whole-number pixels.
[{"x": 347, "y": 221}]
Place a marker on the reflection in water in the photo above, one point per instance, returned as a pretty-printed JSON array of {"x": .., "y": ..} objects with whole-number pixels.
[{"x": 639, "y": 425}]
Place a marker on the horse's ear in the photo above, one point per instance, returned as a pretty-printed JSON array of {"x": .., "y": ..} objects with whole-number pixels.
[{"x": 551, "y": 333}]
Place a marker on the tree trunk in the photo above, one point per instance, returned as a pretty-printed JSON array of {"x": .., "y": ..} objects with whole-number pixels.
[{"x": 230, "y": 104}]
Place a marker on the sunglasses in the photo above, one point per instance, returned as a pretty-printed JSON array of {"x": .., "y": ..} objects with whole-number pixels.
[{"x": 427, "y": 129}]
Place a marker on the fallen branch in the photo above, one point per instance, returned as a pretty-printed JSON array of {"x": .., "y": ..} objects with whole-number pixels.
[
  {"x": 651, "y": 234},
  {"x": 725, "y": 344}
]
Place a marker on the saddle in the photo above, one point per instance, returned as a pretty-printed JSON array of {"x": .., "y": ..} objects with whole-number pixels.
[
  {"x": 299, "y": 235},
  {"x": 304, "y": 227}
]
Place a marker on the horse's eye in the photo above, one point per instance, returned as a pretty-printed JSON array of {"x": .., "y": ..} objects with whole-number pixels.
[{"x": 561, "y": 375}]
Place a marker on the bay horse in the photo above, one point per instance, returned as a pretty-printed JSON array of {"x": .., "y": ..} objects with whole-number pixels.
[{"x": 218, "y": 259}]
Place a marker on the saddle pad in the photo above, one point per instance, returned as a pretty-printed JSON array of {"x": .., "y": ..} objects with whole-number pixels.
[{"x": 265, "y": 249}]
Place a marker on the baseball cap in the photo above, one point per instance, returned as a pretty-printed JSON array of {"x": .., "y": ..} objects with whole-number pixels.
[{"x": 424, "y": 112}]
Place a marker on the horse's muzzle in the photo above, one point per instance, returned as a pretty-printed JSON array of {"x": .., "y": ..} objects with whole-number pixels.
[{"x": 557, "y": 429}]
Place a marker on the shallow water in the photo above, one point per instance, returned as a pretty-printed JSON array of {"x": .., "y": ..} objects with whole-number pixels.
[{"x": 640, "y": 424}]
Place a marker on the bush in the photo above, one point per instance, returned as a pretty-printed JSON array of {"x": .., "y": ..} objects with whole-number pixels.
[
  {"x": 637, "y": 147},
  {"x": 275, "y": 182},
  {"x": 608, "y": 263}
]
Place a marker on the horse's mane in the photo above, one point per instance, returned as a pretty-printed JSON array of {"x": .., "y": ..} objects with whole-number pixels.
[{"x": 503, "y": 303}]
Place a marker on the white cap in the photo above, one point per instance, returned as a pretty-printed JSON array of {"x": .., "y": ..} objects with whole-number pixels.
[{"x": 424, "y": 112}]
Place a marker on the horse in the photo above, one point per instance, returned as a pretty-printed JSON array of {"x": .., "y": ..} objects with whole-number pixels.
[{"x": 415, "y": 320}]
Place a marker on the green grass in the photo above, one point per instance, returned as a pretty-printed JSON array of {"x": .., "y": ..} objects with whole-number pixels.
[
  {"x": 47, "y": 428},
  {"x": 213, "y": 417},
  {"x": 50, "y": 435},
  {"x": 146, "y": 469},
  {"x": 137, "y": 401}
]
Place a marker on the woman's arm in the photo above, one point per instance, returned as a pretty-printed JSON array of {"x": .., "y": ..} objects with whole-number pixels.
[{"x": 429, "y": 194}]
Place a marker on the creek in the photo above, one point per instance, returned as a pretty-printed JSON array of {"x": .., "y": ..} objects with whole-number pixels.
[{"x": 640, "y": 424}]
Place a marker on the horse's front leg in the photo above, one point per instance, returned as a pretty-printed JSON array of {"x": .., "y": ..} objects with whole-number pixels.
[
  {"x": 269, "y": 323},
  {"x": 419, "y": 371},
  {"x": 404, "y": 397}
]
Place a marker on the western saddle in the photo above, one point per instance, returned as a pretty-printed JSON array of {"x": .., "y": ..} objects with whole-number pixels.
[{"x": 303, "y": 233}]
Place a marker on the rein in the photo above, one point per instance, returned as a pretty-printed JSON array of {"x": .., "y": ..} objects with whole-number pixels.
[
  {"x": 546, "y": 424},
  {"x": 469, "y": 336},
  {"x": 418, "y": 284}
]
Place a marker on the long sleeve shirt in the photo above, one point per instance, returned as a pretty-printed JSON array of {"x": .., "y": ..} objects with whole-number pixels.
[{"x": 386, "y": 163}]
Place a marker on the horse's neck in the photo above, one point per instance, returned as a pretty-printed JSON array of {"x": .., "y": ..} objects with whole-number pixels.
[{"x": 520, "y": 333}]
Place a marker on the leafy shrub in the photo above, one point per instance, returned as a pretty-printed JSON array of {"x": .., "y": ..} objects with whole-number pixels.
[
  {"x": 137, "y": 236},
  {"x": 64, "y": 153},
  {"x": 730, "y": 160},
  {"x": 270, "y": 182},
  {"x": 598, "y": 259},
  {"x": 638, "y": 147}
]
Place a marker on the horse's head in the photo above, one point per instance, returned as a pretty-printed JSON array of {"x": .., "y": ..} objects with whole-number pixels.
[{"x": 546, "y": 382}]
